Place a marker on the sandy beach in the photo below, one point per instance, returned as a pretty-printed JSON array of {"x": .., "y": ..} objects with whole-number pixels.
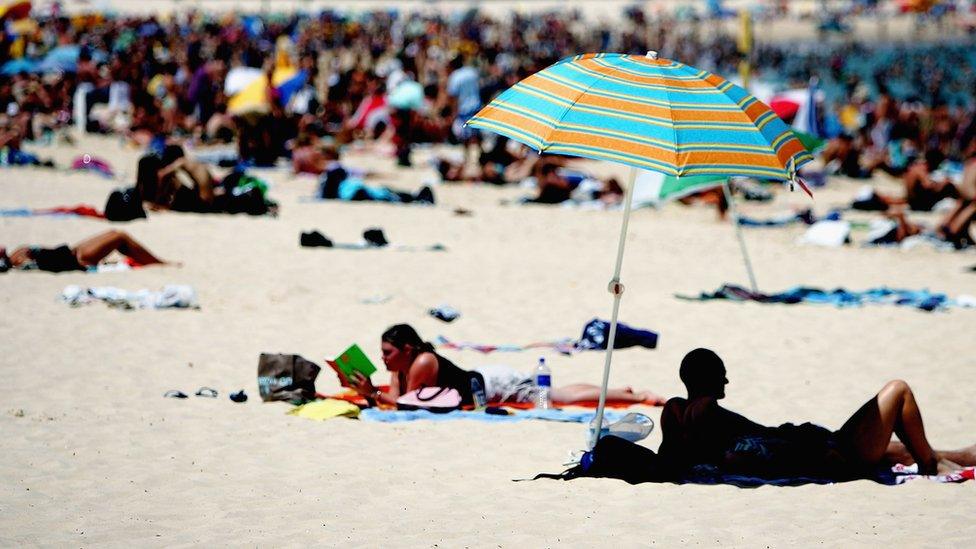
[{"x": 93, "y": 455}]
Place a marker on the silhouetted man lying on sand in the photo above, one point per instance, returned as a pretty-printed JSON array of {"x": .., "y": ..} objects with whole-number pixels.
[
  {"x": 698, "y": 431},
  {"x": 87, "y": 253}
]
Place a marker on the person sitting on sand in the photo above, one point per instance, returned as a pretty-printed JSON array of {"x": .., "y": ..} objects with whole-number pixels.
[
  {"x": 697, "y": 431},
  {"x": 87, "y": 253},
  {"x": 925, "y": 186},
  {"x": 172, "y": 181},
  {"x": 414, "y": 364}
]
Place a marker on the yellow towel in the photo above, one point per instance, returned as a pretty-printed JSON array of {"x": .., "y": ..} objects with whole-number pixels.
[{"x": 326, "y": 409}]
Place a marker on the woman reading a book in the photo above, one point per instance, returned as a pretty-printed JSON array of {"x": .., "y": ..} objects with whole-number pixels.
[{"x": 414, "y": 364}]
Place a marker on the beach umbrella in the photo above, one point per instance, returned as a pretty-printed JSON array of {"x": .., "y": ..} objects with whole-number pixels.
[
  {"x": 15, "y": 9},
  {"x": 647, "y": 113}
]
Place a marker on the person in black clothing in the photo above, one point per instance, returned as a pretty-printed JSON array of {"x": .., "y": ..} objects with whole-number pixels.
[
  {"x": 698, "y": 431},
  {"x": 87, "y": 253}
]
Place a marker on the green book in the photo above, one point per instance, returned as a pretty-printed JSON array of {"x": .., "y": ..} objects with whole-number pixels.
[{"x": 352, "y": 360}]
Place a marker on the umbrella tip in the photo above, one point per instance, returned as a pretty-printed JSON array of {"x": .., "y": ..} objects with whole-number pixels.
[{"x": 651, "y": 54}]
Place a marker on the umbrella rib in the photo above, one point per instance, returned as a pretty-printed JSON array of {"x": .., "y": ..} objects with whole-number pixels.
[{"x": 667, "y": 95}]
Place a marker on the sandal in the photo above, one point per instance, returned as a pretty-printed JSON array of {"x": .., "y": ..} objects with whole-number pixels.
[
  {"x": 206, "y": 392},
  {"x": 174, "y": 394}
]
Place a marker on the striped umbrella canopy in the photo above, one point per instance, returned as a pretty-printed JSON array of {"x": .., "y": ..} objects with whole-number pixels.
[{"x": 648, "y": 113}]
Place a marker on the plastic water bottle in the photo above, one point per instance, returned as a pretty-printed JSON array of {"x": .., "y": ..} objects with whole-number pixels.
[
  {"x": 480, "y": 400},
  {"x": 543, "y": 385}
]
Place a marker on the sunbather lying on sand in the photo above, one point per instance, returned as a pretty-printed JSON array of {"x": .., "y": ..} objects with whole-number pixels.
[
  {"x": 698, "y": 431},
  {"x": 954, "y": 227},
  {"x": 87, "y": 253},
  {"x": 414, "y": 364}
]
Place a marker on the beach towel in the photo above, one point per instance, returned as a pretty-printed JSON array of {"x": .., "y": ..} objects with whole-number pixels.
[
  {"x": 566, "y": 416},
  {"x": 565, "y": 346},
  {"x": 841, "y": 297},
  {"x": 355, "y": 398},
  {"x": 895, "y": 475},
  {"x": 127, "y": 264},
  {"x": 827, "y": 233},
  {"x": 322, "y": 410},
  {"x": 80, "y": 210},
  {"x": 90, "y": 163},
  {"x": 174, "y": 296}
]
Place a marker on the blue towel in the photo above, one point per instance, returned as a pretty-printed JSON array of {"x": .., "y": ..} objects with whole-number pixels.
[
  {"x": 840, "y": 297},
  {"x": 394, "y": 416}
]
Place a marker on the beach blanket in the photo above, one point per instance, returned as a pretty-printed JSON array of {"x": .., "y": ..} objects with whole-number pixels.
[
  {"x": 566, "y": 416},
  {"x": 897, "y": 474},
  {"x": 841, "y": 297},
  {"x": 565, "y": 346},
  {"x": 355, "y": 398},
  {"x": 94, "y": 164},
  {"x": 172, "y": 296},
  {"x": 81, "y": 210},
  {"x": 322, "y": 410}
]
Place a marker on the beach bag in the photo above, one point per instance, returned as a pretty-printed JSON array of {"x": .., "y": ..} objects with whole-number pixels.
[
  {"x": 124, "y": 205},
  {"x": 438, "y": 400},
  {"x": 614, "y": 457},
  {"x": 286, "y": 377},
  {"x": 597, "y": 332}
]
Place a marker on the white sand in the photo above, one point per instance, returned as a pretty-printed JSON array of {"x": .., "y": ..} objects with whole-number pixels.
[{"x": 93, "y": 455}]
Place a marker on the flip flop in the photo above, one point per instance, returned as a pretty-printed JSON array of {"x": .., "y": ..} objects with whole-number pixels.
[
  {"x": 239, "y": 396},
  {"x": 206, "y": 392},
  {"x": 174, "y": 394}
]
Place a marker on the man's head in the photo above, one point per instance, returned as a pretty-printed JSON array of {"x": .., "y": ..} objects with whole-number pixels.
[{"x": 703, "y": 373}]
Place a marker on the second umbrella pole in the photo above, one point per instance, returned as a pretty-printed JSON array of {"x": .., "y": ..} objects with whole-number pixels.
[{"x": 738, "y": 234}]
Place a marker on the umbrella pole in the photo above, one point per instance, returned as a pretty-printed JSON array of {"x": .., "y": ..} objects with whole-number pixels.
[
  {"x": 738, "y": 233},
  {"x": 617, "y": 289}
]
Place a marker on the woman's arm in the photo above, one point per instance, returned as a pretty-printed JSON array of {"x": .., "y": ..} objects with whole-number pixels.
[{"x": 423, "y": 372}]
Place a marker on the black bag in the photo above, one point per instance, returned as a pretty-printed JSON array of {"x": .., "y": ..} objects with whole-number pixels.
[
  {"x": 124, "y": 205},
  {"x": 614, "y": 457},
  {"x": 286, "y": 377}
]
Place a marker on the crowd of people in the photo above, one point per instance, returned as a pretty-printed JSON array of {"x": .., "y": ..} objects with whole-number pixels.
[{"x": 329, "y": 79}]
